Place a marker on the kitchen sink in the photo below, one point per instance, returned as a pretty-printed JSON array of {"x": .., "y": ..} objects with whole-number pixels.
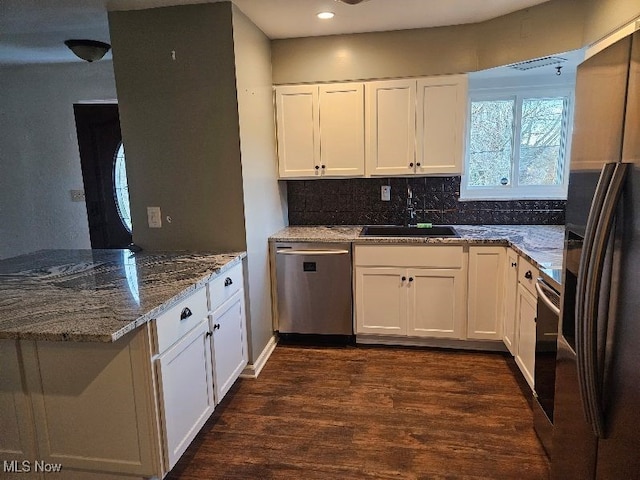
[{"x": 403, "y": 231}]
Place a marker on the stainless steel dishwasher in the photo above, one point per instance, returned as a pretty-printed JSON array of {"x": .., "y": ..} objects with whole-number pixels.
[{"x": 314, "y": 288}]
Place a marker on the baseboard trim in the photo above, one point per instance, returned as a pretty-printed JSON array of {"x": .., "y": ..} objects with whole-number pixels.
[
  {"x": 486, "y": 345},
  {"x": 253, "y": 369}
]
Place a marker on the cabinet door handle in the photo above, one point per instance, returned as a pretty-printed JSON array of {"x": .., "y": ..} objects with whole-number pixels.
[
  {"x": 403, "y": 278},
  {"x": 411, "y": 279},
  {"x": 411, "y": 165},
  {"x": 186, "y": 313},
  {"x": 216, "y": 326},
  {"x": 228, "y": 281},
  {"x": 323, "y": 166},
  {"x": 528, "y": 275},
  {"x": 418, "y": 164},
  {"x": 513, "y": 264},
  {"x": 317, "y": 167},
  {"x": 208, "y": 334}
]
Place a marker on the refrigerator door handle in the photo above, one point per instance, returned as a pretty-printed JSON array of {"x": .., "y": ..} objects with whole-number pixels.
[
  {"x": 584, "y": 272},
  {"x": 592, "y": 382}
]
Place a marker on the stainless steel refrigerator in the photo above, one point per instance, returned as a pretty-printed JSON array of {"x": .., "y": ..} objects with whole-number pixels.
[{"x": 597, "y": 394}]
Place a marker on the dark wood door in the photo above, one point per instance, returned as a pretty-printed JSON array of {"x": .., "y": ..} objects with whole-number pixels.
[{"x": 99, "y": 138}]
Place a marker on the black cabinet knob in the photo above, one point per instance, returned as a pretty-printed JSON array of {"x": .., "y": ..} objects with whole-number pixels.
[
  {"x": 186, "y": 313},
  {"x": 404, "y": 279},
  {"x": 411, "y": 164},
  {"x": 227, "y": 282},
  {"x": 317, "y": 167},
  {"x": 324, "y": 166},
  {"x": 418, "y": 164},
  {"x": 528, "y": 275},
  {"x": 411, "y": 279}
]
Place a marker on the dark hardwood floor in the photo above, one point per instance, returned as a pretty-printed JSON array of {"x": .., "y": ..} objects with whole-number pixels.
[{"x": 371, "y": 413}]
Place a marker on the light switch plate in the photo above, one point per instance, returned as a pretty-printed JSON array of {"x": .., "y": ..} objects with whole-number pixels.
[
  {"x": 154, "y": 217},
  {"x": 385, "y": 193}
]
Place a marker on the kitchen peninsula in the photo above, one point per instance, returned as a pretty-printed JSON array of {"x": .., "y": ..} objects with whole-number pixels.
[{"x": 112, "y": 360}]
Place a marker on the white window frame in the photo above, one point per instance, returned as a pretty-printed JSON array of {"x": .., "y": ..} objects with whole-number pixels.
[{"x": 512, "y": 191}]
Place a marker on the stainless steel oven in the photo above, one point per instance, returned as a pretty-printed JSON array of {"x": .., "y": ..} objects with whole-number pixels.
[{"x": 545, "y": 360}]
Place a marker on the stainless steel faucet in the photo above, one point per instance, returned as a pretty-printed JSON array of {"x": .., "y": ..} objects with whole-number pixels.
[{"x": 411, "y": 211}]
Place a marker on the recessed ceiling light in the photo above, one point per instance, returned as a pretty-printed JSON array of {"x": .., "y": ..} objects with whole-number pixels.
[{"x": 325, "y": 15}]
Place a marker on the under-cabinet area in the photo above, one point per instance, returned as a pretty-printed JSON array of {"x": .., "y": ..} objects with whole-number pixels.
[{"x": 126, "y": 408}]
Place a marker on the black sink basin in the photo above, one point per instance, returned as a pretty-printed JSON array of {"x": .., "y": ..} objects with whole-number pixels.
[{"x": 402, "y": 231}]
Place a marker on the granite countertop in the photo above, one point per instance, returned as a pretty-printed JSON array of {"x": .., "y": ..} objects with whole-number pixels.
[
  {"x": 541, "y": 244},
  {"x": 97, "y": 295}
]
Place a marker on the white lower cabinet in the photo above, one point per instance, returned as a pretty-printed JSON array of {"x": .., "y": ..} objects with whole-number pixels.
[
  {"x": 229, "y": 343},
  {"x": 394, "y": 298},
  {"x": 486, "y": 293},
  {"x": 185, "y": 381},
  {"x": 526, "y": 313},
  {"x": 510, "y": 302}
]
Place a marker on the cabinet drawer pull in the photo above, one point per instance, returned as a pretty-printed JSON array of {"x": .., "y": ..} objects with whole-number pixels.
[
  {"x": 208, "y": 334},
  {"x": 228, "y": 281},
  {"x": 514, "y": 264},
  {"x": 186, "y": 313},
  {"x": 216, "y": 326}
]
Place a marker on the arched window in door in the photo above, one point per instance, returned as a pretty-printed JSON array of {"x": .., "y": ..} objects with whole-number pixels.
[{"x": 121, "y": 187}]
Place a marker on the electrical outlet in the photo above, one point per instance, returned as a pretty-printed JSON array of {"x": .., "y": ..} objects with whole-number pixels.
[
  {"x": 385, "y": 193},
  {"x": 154, "y": 217},
  {"x": 77, "y": 195}
]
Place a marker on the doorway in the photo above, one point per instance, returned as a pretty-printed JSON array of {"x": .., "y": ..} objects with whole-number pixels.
[{"x": 102, "y": 160}]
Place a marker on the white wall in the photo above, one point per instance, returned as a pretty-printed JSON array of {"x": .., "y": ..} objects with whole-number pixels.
[
  {"x": 39, "y": 159},
  {"x": 264, "y": 202}
]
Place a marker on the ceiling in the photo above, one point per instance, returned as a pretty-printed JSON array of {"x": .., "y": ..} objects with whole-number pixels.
[{"x": 33, "y": 31}]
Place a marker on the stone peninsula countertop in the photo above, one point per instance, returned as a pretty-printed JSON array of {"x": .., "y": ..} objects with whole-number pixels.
[
  {"x": 97, "y": 295},
  {"x": 541, "y": 244}
]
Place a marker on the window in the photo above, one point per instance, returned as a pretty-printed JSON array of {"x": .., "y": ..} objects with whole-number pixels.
[
  {"x": 121, "y": 188},
  {"x": 517, "y": 146}
]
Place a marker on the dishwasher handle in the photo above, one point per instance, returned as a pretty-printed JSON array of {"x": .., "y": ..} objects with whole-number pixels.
[
  {"x": 542, "y": 295},
  {"x": 328, "y": 251}
]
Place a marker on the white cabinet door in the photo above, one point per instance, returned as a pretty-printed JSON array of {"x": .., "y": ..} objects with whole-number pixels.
[
  {"x": 486, "y": 277},
  {"x": 298, "y": 131},
  {"x": 229, "y": 343},
  {"x": 381, "y": 300},
  {"x": 391, "y": 127},
  {"x": 526, "y": 354},
  {"x": 442, "y": 106},
  {"x": 510, "y": 301},
  {"x": 186, "y": 390},
  {"x": 436, "y": 303},
  {"x": 341, "y": 129},
  {"x": 16, "y": 438}
]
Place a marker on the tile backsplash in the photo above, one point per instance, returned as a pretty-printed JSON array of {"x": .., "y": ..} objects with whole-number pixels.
[{"x": 436, "y": 200}]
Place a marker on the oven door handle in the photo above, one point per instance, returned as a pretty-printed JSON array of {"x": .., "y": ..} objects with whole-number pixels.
[{"x": 543, "y": 296}]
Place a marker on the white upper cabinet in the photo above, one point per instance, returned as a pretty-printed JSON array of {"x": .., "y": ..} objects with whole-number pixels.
[
  {"x": 320, "y": 130},
  {"x": 391, "y": 127},
  {"x": 379, "y": 128},
  {"x": 342, "y": 129},
  {"x": 416, "y": 127},
  {"x": 298, "y": 131},
  {"x": 440, "y": 124}
]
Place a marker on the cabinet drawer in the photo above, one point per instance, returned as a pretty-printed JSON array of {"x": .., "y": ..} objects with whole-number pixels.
[
  {"x": 224, "y": 286},
  {"x": 170, "y": 326},
  {"x": 412, "y": 256},
  {"x": 527, "y": 275}
]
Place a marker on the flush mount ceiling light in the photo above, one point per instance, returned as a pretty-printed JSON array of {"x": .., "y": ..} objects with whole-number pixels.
[
  {"x": 325, "y": 15},
  {"x": 89, "y": 50}
]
